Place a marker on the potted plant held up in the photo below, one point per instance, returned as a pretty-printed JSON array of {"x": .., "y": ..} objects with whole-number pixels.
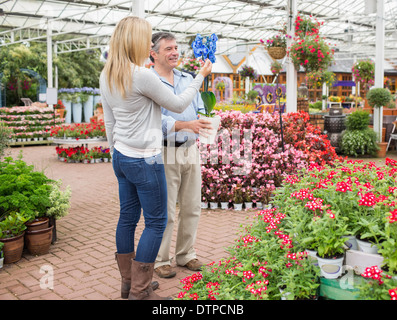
[{"x": 206, "y": 49}]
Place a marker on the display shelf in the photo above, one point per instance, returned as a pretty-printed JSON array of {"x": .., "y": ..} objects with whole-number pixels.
[
  {"x": 77, "y": 141},
  {"x": 29, "y": 143}
]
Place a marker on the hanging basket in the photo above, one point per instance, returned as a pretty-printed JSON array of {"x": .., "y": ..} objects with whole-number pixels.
[{"x": 277, "y": 52}]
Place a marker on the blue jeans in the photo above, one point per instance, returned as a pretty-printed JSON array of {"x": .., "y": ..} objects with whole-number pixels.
[{"x": 142, "y": 185}]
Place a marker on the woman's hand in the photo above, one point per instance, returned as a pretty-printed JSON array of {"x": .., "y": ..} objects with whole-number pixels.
[{"x": 206, "y": 68}]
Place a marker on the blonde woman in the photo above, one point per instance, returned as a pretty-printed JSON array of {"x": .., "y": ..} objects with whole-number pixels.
[{"x": 131, "y": 97}]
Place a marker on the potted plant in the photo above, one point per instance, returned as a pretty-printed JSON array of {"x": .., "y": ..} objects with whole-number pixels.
[
  {"x": 60, "y": 108},
  {"x": 248, "y": 72},
  {"x": 328, "y": 231},
  {"x": 248, "y": 193},
  {"x": 12, "y": 231},
  {"x": 59, "y": 205},
  {"x": 220, "y": 86},
  {"x": 358, "y": 138},
  {"x": 379, "y": 97},
  {"x": 363, "y": 71},
  {"x": 276, "y": 46},
  {"x": 224, "y": 196},
  {"x": 238, "y": 197},
  {"x": 299, "y": 278},
  {"x": 377, "y": 284},
  {"x": 388, "y": 247},
  {"x": 276, "y": 67},
  {"x": 205, "y": 47},
  {"x": 309, "y": 50}
]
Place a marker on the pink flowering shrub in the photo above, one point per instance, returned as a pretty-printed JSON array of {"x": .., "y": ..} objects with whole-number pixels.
[{"x": 248, "y": 154}]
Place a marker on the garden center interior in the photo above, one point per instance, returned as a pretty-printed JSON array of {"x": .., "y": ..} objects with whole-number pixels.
[{"x": 315, "y": 84}]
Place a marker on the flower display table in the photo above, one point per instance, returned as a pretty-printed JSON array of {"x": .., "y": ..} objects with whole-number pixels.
[
  {"x": 85, "y": 142},
  {"x": 82, "y": 153},
  {"x": 14, "y": 143}
]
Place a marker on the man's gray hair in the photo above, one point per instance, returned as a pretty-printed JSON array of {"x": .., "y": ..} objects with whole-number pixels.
[{"x": 157, "y": 37}]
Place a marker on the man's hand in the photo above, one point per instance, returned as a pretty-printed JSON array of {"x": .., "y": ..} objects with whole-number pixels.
[{"x": 197, "y": 126}]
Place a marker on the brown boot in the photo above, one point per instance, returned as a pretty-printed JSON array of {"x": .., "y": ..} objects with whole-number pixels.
[
  {"x": 124, "y": 264},
  {"x": 141, "y": 277}
]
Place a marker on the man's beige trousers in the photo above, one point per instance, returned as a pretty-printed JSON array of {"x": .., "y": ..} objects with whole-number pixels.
[{"x": 183, "y": 173}]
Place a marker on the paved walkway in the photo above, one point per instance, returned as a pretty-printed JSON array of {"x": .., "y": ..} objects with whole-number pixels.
[{"x": 82, "y": 259}]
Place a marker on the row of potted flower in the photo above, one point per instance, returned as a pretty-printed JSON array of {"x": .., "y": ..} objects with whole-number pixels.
[
  {"x": 247, "y": 162},
  {"x": 29, "y": 136},
  {"x": 29, "y": 123},
  {"x": 83, "y": 154},
  {"x": 318, "y": 207},
  {"x": 93, "y": 129},
  {"x": 25, "y": 110}
]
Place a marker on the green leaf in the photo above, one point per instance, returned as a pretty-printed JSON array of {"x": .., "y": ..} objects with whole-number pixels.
[{"x": 209, "y": 101}]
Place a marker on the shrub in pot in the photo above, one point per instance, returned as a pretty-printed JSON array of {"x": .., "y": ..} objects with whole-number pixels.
[
  {"x": 379, "y": 97},
  {"x": 358, "y": 138},
  {"x": 59, "y": 204},
  {"x": 357, "y": 120},
  {"x": 22, "y": 189},
  {"x": 12, "y": 230},
  {"x": 359, "y": 142}
]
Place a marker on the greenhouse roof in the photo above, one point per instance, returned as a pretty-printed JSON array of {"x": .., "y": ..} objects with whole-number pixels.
[{"x": 239, "y": 24}]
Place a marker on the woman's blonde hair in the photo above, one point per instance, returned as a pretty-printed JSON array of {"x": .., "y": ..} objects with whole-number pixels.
[{"x": 129, "y": 43}]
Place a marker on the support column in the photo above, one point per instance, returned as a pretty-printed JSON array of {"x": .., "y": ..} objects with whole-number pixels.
[
  {"x": 49, "y": 55},
  {"x": 379, "y": 64},
  {"x": 56, "y": 67},
  {"x": 292, "y": 74},
  {"x": 138, "y": 8},
  {"x": 49, "y": 60}
]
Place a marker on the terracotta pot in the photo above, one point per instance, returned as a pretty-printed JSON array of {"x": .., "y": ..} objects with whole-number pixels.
[
  {"x": 381, "y": 153},
  {"x": 38, "y": 242},
  {"x": 60, "y": 112},
  {"x": 13, "y": 248},
  {"x": 37, "y": 224}
]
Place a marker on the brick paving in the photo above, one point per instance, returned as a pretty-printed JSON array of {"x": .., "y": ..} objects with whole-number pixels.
[{"x": 82, "y": 258}]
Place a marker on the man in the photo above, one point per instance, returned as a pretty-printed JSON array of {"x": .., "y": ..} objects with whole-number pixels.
[{"x": 181, "y": 160}]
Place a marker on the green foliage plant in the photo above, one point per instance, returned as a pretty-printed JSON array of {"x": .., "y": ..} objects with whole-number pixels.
[
  {"x": 12, "y": 225},
  {"x": 359, "y": 142},
  {"x": 357, "y": 120},
  {"x": 59, "y": 201},
  {"x": 22, "y": 189},
  {"x": 379, "y": 97}
]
